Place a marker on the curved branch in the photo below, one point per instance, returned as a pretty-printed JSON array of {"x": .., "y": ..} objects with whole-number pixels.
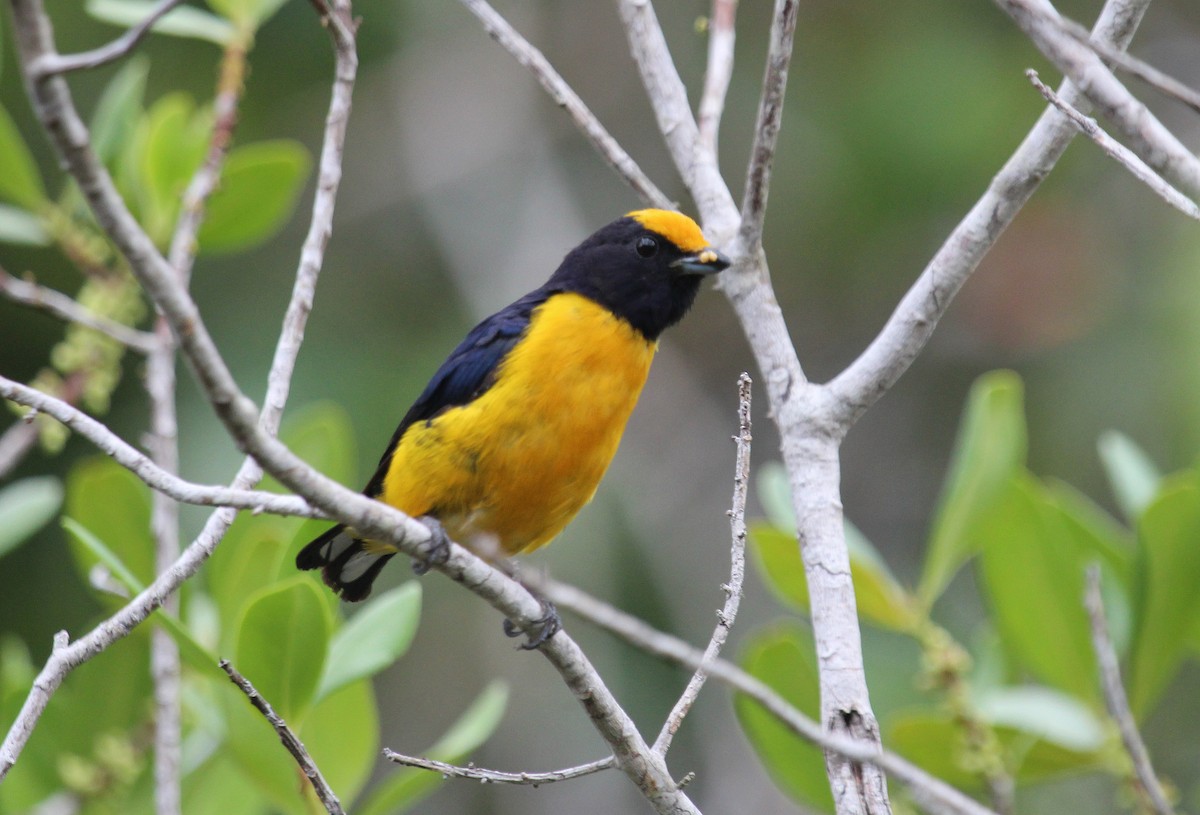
[
  {"x": 122, "y": 45},
  {"x": 68, "y": 309},
  {"x": 140, "y": 465}
]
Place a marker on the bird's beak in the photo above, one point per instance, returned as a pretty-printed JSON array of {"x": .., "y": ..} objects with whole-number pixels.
[{"x": 705, "y": 262}]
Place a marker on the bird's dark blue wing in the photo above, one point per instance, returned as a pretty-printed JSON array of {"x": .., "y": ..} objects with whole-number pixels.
[{"x": 467, "y": 372}]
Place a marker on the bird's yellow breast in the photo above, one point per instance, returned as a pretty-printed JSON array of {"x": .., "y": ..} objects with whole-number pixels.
[{"x": 521, "y": 460}]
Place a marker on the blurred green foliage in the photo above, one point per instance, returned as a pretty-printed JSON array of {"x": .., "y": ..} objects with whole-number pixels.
[
  {"x": 898, "y": 114},
  {"x": 285, "y": 633},
  {"x": 1031, "y": 540}
]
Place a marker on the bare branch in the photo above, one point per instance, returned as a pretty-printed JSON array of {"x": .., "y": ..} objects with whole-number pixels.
[
  {"x": 933, "y": 794},
  {"x": 66, "y": 658},
  {"x": 294, "y": 746},
  {"x": 565, "y": 97},
  {"x": 182, "y": 252},
  {"x": 58, "y": 64},
  {"x": 16, "y": 443},
  {"x": 1165, "y": 84},
  {"x": 766, "y": 131},
  {"x": 722, "y": 33},
  {"x": 697, "y": 168},
  {"x": 66, "y": 308},
  {"x": 737, "y": 572},
  {"x": 1115, "y": 698},
  {"x": 1118, "y": 152},
  {"x": 1148, "y": 137},
  {"x": 914, "y": 319},
  {"x": 141, "y": 466},
  {"x": 497, "y": 776},
  {"x": 163, "y": 442}
]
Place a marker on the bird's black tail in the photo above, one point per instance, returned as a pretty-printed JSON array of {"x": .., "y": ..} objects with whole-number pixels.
[{"x": 349, "y": 565}]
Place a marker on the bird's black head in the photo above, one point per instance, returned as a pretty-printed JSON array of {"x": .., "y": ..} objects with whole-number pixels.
[{"x": 645, "y": 267}]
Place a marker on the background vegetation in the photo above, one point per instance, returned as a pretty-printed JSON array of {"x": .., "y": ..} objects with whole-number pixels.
[{"x": 463, "y": 189}]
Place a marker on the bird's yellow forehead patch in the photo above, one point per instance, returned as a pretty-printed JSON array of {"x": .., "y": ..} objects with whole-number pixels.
[{"x": 679, "y": 229}]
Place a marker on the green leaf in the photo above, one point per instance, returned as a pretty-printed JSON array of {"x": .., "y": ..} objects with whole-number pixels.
[
  {"x": 259, "y": 188},
  {"x": 282, "y": 641},
  {"x": 185, "y": 21},
  {"x": 404, "y": 788},
  {"x": 775, "y": 494},
  {"x": 1032, "y": 566},
  {"x": 20, "y": 181},
  {"x": 1131, "y": 473},
  {"x": 1166, "y": 603},
  {"x": 782, "y": 657},
  {"x": 342, "y": 735},
  {"x": 250, "y": 14},
  {"x": 21, "y": 227},
  {"x": 103, "y": 554},
  {"x": 219, "y": 787},
  {"x": 879, "y": 596},
  {"x": 248, "y": 560},
  {"x": 118, "y": 110},
  {"x": 111, "y": 503},
  {"x": 935, "y": 742},
  {"x": 25, "y": 507},
  {"x": 373, "y": 639},
  {"x": 172, "y": 140},
  {"x": 1048, "y": 714},
  {"x": 990, "y": 448}
]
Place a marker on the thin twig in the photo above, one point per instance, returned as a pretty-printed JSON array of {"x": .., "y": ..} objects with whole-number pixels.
[
  {"x": 1149, "y": 138},
  {"x": 916, "y": 316},
  {"x": 1164, "y": 83},
  {"x": 122, "y": 45},
  {"x": 1115, "y": 698},
  {"x": 140, "y": 465},
  {"x": 766, "y": 131},
  {"x": 722, "y": 34},
  {"x": 498, "y": 776},
  {"x": 565, "y": 97},
  {"x": 669, "y": 101},
  {"x": 67, "y": 308},
  {"x": 931, "y": 793},
  {"x": 737, "y": 571},
  {"x": 56, "y": 111},
  {"x": 1117, "y": 151},
  {"x": 16, "y": 443},
  {"x": 294, "y": 746},
  {"x": 36, "y": 38},
  {"x": 230, "y": 85}
]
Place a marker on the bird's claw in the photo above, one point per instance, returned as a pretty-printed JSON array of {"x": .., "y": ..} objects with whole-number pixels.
[
  {"x": 436, "y": 550},
  {"x": 544, "y": 627}
]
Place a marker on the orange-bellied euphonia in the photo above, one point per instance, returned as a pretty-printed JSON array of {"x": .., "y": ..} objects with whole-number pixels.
[{"x": 514, "y": 432}]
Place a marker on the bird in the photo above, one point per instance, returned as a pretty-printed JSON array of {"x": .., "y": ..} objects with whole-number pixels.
[{"x": 512, "y": 435}]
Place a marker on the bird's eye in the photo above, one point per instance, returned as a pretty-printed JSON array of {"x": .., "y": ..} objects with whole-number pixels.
[{"x": 646, "y": 246}]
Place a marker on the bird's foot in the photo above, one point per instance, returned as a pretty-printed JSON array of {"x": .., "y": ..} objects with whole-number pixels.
[
  {"x": 436, "y": 550},
  {"x": 542, "y": 629}
]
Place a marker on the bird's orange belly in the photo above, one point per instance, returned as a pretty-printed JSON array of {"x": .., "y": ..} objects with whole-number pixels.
[{"x": 516, "y": 464}]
